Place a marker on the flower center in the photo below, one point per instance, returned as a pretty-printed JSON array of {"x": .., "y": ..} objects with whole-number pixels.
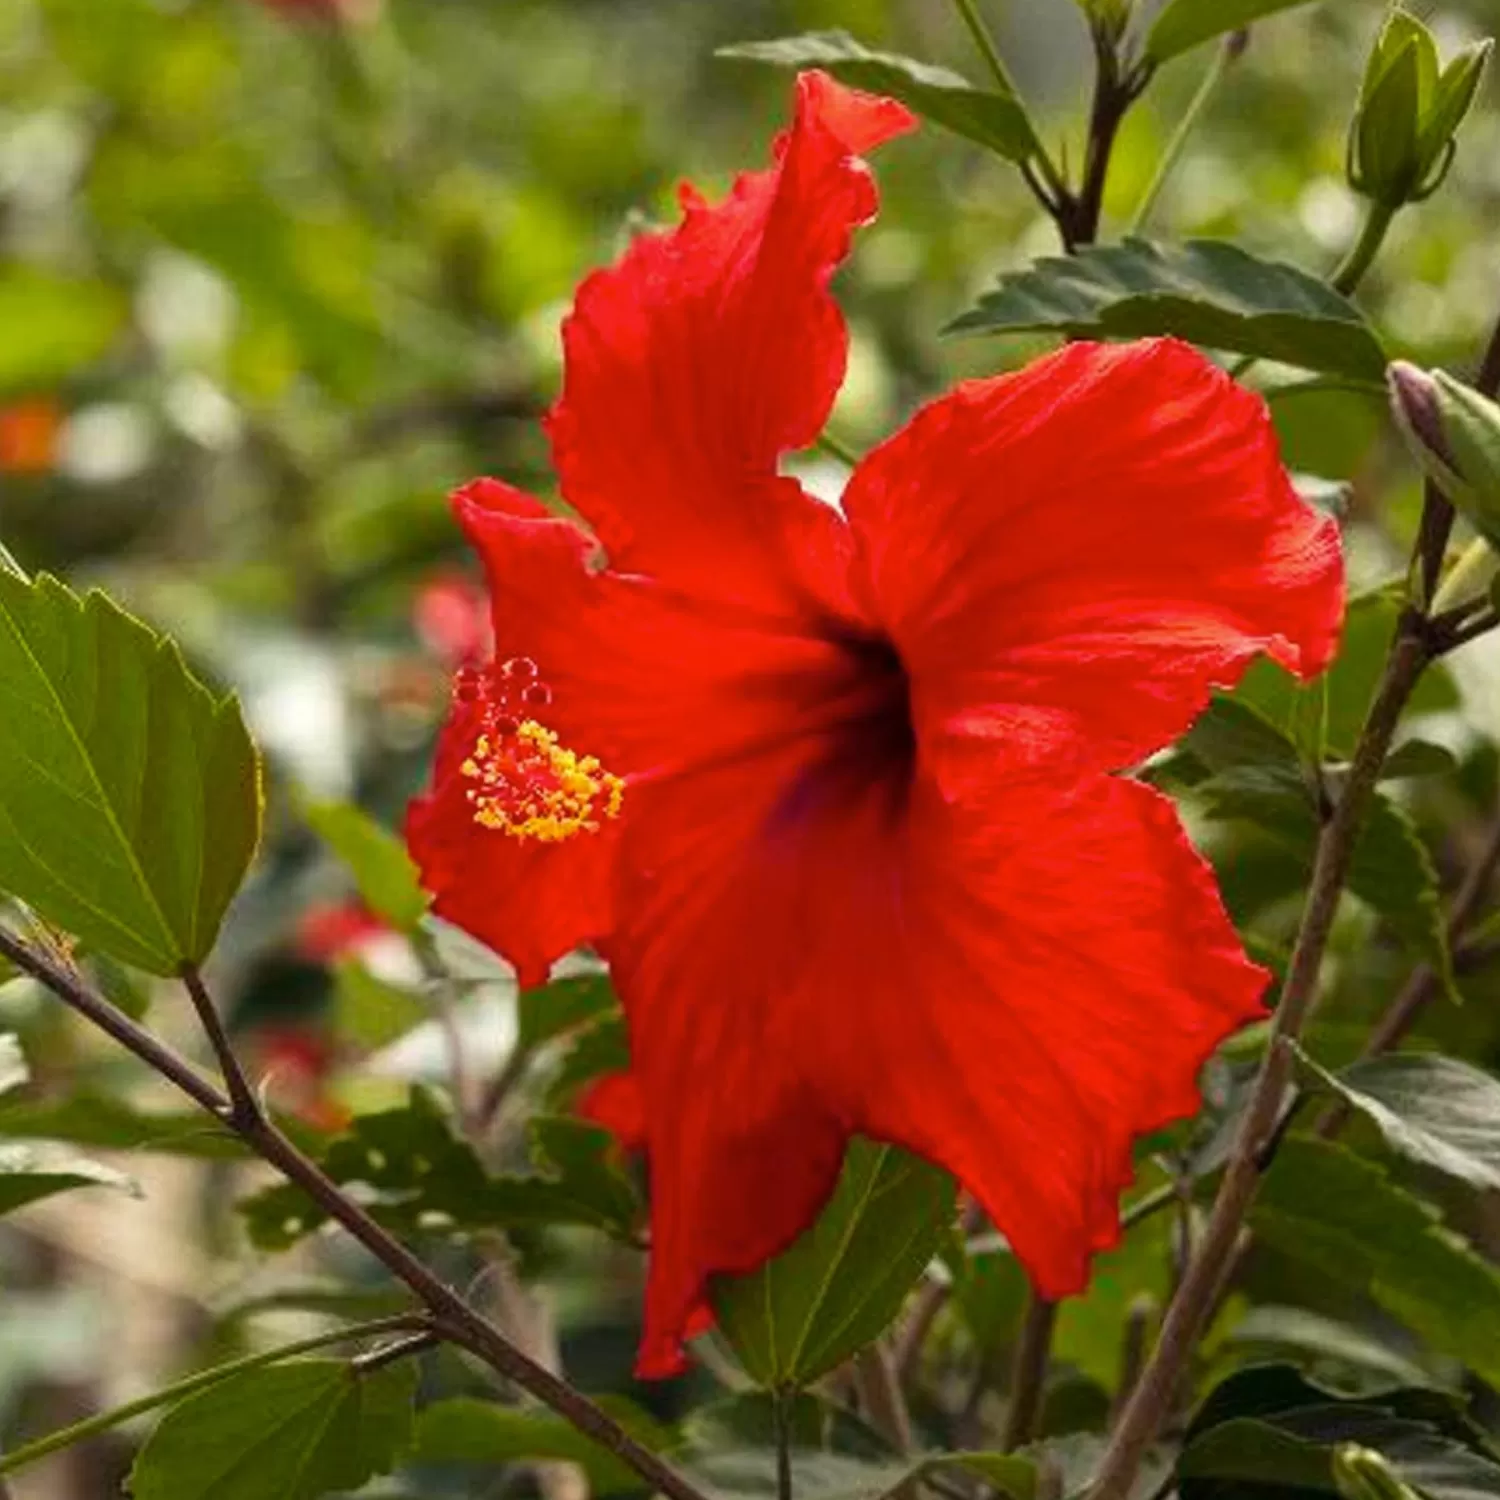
[
  {"x": 880, "y": 736},
  {"x": 527, "y": 784}
]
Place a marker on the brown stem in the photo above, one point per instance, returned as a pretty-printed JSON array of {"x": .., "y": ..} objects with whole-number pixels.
[
  {"x": 1149, "y": 1405},
  {"x": 1138, "y": 1322},
  {"x": 1029, "y": 1372},
  {"x": 244, "y": 1103},
  {"x": 1114, "y": 93},
  {"x": 450, "y": 1316}
]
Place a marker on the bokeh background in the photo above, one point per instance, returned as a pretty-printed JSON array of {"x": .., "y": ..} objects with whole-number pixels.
[{"x": 271, "y": 283}]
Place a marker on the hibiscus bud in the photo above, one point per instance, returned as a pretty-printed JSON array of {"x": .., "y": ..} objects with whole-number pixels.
[
  {"x": 1363, "y": 1474},
  {"x": 1401, "y": 141},
  {"x": 1454, "y": 434}
]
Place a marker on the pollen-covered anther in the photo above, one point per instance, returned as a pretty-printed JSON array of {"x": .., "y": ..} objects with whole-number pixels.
[{"x": 527, "y": 784}]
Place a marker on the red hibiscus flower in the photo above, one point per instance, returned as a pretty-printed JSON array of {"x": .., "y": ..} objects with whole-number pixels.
[{"x": 834, "y": 790}]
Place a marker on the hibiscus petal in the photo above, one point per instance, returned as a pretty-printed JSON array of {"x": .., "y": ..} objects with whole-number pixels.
[
  {"x": 1066, "y": 970},
  {"x": 530, "y": 901},
  {"x": 1014, "y": 990},
  {"x": 711, "y": 350},
  {"x": 731, "y": 895},
  {"x": 1071, "y": 556}
]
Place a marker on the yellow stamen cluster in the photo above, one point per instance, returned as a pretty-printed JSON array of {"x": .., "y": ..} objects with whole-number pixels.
[{"x": 531, "y": 787}]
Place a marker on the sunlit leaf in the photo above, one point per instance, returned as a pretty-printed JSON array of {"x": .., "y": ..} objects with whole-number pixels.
[
  {"x": 1206, "y": 291},
  {"x": 1182, "y": 24},
  {"x": 377, "y": 859},
  {"x": 141, "y": 804},
  {"x": 994, "y": 120}
]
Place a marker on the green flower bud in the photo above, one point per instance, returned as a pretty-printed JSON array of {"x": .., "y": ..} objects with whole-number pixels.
[
  {"x": 1363, "y": 1474},
  {"x": 1401, "y": 140},
  {"x": 1454, "y": 434}
]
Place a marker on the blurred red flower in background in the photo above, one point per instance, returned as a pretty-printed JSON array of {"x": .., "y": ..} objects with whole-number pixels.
[
  {"x": 29, "y": 432},
  {"x": 452, "y": 617},
  {"x": 833, "y": 789}
]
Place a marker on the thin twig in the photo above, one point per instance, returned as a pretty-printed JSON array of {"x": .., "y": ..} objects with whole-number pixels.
[
  {"x": 450, "y": 1315},
  {"x": 244, "y": 1103},
  {"x": 1138, "y": 1320},
  {"x": 1028, "y": 1378},
  {"x": 1115, "y": 91}
]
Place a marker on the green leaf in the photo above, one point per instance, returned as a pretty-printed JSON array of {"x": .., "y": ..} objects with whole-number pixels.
[
  {"x": 297, "y": 1431},
  {"x": 130, "y": 798},
  {"x": 39, "y": 1170},
  {"x": 54, "y": 325},
  {"x": 1345, "y": 692},
  {"x": 369, "y": 1012},
  {"x": 426, "y": 1178},
  {"x": 1322, "y": 1344},
  {"x": 844, "y": 1280},
  {"x": 94, "y": 1119},
  {"x": 1418, "y": 758},
  {"x": 994, "y": 120},
  {"x": 1183, "y": 24},
  {"x": 13, "y": 1069},
  {"x": 1330, "y": 1208},
  {"x": 1256, "y": 1453},
  {"x": 751, "y": 1419},
  {"x": 602, "y": 1048},
  {"x": 1206, "y": 291},
  {"x": 465, "y": 1430},
  {"x": 818, "y": 1475},
  {"x": 382, "y": 870},
  {"x": 564, "y": 1005},
  {"x": 1269, "y": 1430},
  {"x": 1391, "y": 872},
  {"x": 1434, "y": 1110}
]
